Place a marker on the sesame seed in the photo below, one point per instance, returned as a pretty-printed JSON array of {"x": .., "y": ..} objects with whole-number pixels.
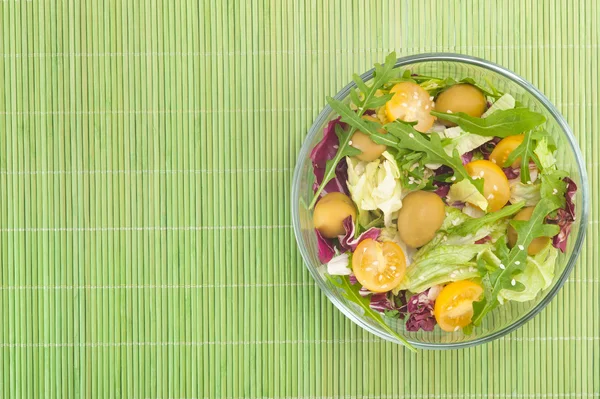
[
  {"x": 450, "y": 307},
  {"x": 448, "y": 111},
  {"x": 453, "y": 275},
  {"x": 528, "y": 181},
  {"x": 481, "y": 173},
  {"x": 404, "y": 105},
  {"x": 412, "y": 136},
  {"x": 392, "y": 268},
  {"x": 502, "y": 266},
  {"x": 368, "y": 269},
  {"x": 495, "y": 187},
  {"x": 456, "y": 328},
  {"x": 419, "y": 103},
  {"x": 433, "y": 104},
  {"x": 517, "y": 262},
  {"x": 380, "y": 277},
  {"x": 350, "y": 142},
  {"x": 491, "y": 196},
  {"x": 493, "y": 160},
  {"x": 513, "y": 282},
  {"x": 453, "y": 178},
  {"x": 415, "y": 95},
  {"x": 384, "y": 286},
  {"x": 521, "y": 247},
  {"x": 427, "y": 107},
  {"x": 431, "y": 98},
  {"x": 554, "y": 191}
]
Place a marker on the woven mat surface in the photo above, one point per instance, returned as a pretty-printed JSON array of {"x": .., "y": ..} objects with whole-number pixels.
[{"x": 146, "y": 156}]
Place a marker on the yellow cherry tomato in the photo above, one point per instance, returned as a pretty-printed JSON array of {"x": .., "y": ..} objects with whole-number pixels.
[
  {"x": 504, "y": 148},
  {"x": 411, "y": 103},
  {"x": 379, "y": 267},
  {"x": 454, "y": 305},
  {"x": 496, "y": 189}
]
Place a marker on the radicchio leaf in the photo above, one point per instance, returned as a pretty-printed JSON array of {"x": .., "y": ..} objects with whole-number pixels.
[
  {"x": 442, "y": 187},
  {"x": 420, "y": 309},
  {"x": 565, "y": 217},
  {"x": 467, "y": 157},
  {"x": 348, "y": 242},
  {"x": 487, "y": 148},
  {"x": 324, "y": 151},
  {"x": 326, "y": 247}
]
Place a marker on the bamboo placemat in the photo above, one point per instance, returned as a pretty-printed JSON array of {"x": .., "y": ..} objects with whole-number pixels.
[{"x": 146, "y": 155}]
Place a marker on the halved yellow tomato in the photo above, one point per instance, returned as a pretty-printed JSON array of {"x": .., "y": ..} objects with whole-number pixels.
[
  {"x": 411, "y": 103},
  {"x": 496, "y": 189},
  {"x": 379, "y": 267},
  {"x": 504, "y": 148},
  {"x": 454, "y": 305}
]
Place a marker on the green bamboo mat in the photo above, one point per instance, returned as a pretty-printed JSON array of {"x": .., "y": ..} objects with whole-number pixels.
[{"x": 146, "y": 156}]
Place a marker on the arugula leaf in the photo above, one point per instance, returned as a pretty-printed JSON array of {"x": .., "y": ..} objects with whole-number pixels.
[
  {"x": 501, "y": 123},
  {"x": 351, "y": 293},
  {"x": 474, "y": 224},
  {"x": 409, "y": 138},
  {"x": 525, "y": 152},
  {"x": 383, "y": 73},
  {"x": 553, "y": 185},
  {"x": 515, "y": 260}
]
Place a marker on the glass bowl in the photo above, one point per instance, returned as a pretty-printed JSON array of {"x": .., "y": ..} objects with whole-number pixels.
[{"x": 503, "y": 319}]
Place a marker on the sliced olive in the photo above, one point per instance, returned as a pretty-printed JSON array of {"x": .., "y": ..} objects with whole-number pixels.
[
  {"x": 537, "y": 244},
  {"x": 421, "y": 215},
  {"x": 461, "y": 98},
  {"x": 330, "y": 212}
]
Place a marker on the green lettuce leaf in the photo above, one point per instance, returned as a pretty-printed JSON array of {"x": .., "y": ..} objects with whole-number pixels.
[
  {"x": 528, "y": 193},
  {"x": 465, "y": 191},
  {"x": 375, "y": 185},
  {"x": 441, "y": 265},
  {"x": 503, "y": 103}
]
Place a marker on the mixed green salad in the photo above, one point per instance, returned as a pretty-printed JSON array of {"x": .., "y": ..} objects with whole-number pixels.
[{"x": 437, "y": 200}]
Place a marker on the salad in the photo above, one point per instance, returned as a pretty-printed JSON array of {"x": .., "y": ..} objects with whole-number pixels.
[{"x": 437, "y": 200}]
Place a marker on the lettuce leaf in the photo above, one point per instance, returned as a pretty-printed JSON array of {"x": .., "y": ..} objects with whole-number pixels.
[
  {"x": 339, "y": 265},
  {"x": 505, "y": 102},
  {"x": 528, "y": 193},
  {"x": 442, "y": 264},
  {"x": 375, "y": 185},
  {"x": 465, "y": 191},
  {"x": 537, "y": 276},
  {"x": 545, "y": 155}
]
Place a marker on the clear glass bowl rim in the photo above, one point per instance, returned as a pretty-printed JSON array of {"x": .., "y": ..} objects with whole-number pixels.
[{"x": 583, "y": 220}]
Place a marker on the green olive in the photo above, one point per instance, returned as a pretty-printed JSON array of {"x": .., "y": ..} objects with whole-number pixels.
[
  {"x": 461, "y": 98},
  {"x": 370, "y": 150},
  {"x": 421, "y": 215},
  {"x": 330, "y": 212},
  {"x": 537, "y": 244}
]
